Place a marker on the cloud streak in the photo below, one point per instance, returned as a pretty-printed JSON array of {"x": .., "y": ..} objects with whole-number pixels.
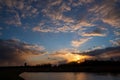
[
  {"x": 78, "y": 43},
  {"x": 97, "y": 32}
]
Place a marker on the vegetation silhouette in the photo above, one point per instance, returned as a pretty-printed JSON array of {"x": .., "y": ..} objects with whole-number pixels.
[{"x": 96, "y": 66}]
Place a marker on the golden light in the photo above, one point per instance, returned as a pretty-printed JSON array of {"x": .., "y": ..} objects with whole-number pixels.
[
  {"x": 77, "y": 57},
  {"x": 80, "y": 58},
  {"x": 70, "y": 57}
]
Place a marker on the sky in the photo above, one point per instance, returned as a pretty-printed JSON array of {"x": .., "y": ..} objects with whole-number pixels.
[{"x": 32, "y": 27}]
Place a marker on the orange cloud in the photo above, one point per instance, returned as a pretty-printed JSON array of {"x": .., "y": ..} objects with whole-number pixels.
[{"x": 93, "y": 34}]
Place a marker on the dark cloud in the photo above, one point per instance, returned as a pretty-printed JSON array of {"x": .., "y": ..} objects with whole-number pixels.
[
  {"x": 14, "y": 52},
  {"x": 110, "y": 53},
  {"x": 106, "y": 53}
]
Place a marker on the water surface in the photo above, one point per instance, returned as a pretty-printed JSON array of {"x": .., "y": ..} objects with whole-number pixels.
[{"x": 70, "y": 76}]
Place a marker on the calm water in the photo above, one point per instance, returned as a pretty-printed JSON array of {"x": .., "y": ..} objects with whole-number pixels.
[{"x": 69, "y": 76}]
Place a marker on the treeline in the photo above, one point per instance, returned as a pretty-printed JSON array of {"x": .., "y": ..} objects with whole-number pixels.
[
  {"x": 86, "y": 66},
  {"x": 85, "y": 63}
]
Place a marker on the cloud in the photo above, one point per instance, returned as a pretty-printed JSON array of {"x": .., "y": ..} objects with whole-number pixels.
[
  {"x": 110, "y": 53},
  {"x": 82, "y": 24},
  {"x": 38, "y": 28},
  {"x": 64, "y": 29},
  {"x": 13, "y": 3},
  {"x": 14, "y": 52},
  {"x": 56, "y": 15},
  {"x": 70, "y": 57},
  {"x": 108, "y": 12},
  {"x": 9, "y": 3},
  {"x": 66, "y": 55},
  {"x": 97, "y": 53},
  {"x": 55, "y": 12},
  {"x": 1, "y": 28},
  {"x": 63, "y": 56},
  {"x": 79, "y": 26},
  {"x": 15, "y": 19},
  {"x": 117, "y": 33},
  {"x": 96, "y": 32},
  {"x": 65, "y": 7},
  {"x": 92, "y": 34},
  {"x": 115, "y": 54},
  {"x": 20, "y": 5},
  {"x": 115, "y": 42},
  {"x": 16, "y": 10},
  {"x": 34, "y": 10},
  {"x": 78, "y": 43},
  {"x": 34, "y": 47},
  {"x": 58, "y": 2},
  {"x": 106, "y": 53},
  {"x": 80, "y": 2}
]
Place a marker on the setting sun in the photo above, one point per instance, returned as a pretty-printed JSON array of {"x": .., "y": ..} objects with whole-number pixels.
[{"x": 77, "y": 58}]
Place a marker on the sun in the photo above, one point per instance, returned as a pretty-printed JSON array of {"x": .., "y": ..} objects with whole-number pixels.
[
  {"x": 80, "y": 58},
  {"x": 77, "y": 57}
]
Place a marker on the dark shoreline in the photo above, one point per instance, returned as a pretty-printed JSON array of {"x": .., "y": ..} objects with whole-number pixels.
[{"x": 13, "y": 72}]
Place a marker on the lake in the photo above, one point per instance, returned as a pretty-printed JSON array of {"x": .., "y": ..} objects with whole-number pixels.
[{"x": 69, "y": 76}]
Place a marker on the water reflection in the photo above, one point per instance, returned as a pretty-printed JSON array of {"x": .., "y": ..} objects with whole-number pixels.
[{"x": 69, "y": 76}]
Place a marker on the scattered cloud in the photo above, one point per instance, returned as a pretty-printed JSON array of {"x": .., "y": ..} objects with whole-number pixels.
[
  {"x": 79, "y": 26},
  {"x": 56, "y": 13},
  {"x": 1, "y": 28},
  {"x": 34, "y": 47},
  {"x": 53, "y": 3},
  {"x": 108, "y": 12},
  {"x": 16, "y": 10},
  {"x": 71, "y": 50},
  {"x": 38, "y": 28},
  {"x": 115, "y": 42},
  {"x": 80, "y": 2},
  {"x": 78, "y": 43},
  {"x": 65, "y": 7},
  {"x": 95, "y": 48},
  {"x": 15, "y": 19},
  {"x": 117, "y": 33}
]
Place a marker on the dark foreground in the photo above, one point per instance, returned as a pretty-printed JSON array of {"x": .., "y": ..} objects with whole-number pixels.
[{"x": 13, "y": 72}]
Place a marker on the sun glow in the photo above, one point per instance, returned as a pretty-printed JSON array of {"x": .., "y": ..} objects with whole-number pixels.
[
  {"x": 71, "y": 57},
  {"x": 80, "y": 58},
  {"x": 77, "y": 57}
]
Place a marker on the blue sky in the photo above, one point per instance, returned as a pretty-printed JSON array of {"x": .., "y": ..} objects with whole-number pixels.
[
  {"x": 53, "y": 25},
  {"x": 59, "y": 24}
]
